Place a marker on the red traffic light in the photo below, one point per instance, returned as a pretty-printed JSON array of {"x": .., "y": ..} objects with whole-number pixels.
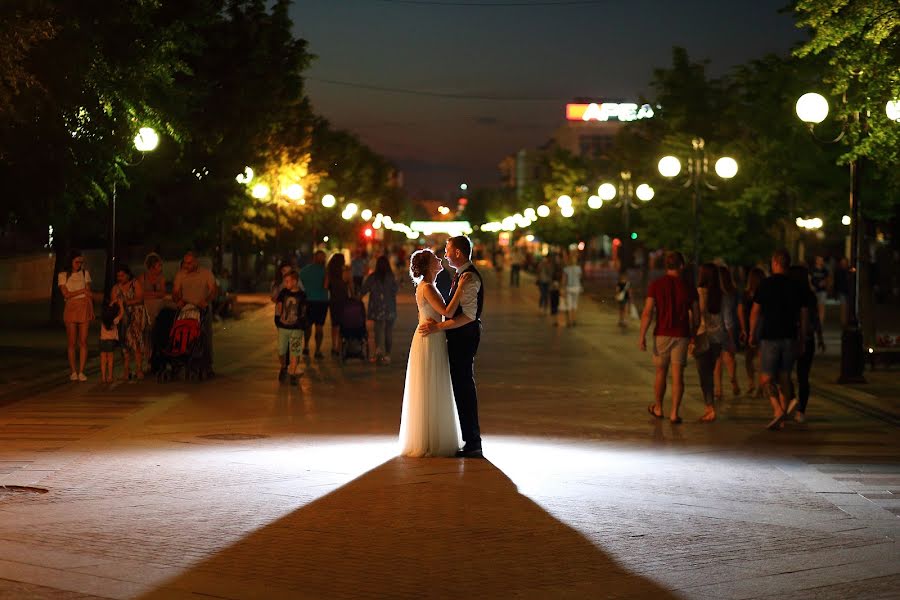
[
  {"x": 368, "y": 232},
  {"x": 463, "y": 201}
]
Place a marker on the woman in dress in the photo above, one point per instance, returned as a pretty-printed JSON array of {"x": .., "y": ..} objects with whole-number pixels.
[
  {"x": 729, "y": 305},
  {"x": 129, "y": 291},
  {"x": 153, "y": 282},
  {"x": 75, "y": 286},
  {"x": 382, "y": 289},
  {"x": 712, "y": 335},
  {"x": 429, "y": 425},
  {"x": 751, "y": 354},
  {"x": 338, "y": 284}
]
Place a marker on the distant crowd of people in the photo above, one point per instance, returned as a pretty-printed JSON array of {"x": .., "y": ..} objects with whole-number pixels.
[
  {"x": 776, "y": 320},
  {"x": 130, "y": 310},
  {"x": 332, "y": 290}
]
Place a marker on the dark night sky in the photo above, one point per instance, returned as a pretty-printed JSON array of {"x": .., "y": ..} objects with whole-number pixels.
[{"x": 543, "y": 56}]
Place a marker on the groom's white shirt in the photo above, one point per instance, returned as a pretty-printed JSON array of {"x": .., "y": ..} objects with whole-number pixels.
[{"x": 470, "y": 287}]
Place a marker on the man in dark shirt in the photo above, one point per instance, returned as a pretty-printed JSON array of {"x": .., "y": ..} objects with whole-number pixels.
[
  {"x": 779, "y": 302},
  {"x": 677, "y": 318}
]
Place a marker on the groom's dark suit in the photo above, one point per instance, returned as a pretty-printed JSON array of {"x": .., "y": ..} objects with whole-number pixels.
[{"x": 462, "y": 345}]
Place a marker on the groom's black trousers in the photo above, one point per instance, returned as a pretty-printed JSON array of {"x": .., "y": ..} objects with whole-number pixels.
[{"x": 462, "y": 345}]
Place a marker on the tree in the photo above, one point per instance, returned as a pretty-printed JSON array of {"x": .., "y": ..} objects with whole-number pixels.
[{"x": 861, "y": 41}]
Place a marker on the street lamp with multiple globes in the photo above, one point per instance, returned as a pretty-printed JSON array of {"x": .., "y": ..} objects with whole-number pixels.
[
  {"x": 145, "y": 141},
  {"x": 812, "y": 109},
  {"x": 698, "y": 171},
  {"x": 627, "y": 193}
]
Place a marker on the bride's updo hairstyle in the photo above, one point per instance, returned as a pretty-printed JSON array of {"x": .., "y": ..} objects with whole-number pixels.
[{"x": 418, "y": 264}]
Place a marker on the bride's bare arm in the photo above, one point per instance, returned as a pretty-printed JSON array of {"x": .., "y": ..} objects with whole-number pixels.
[{"x": 451, "y": 307}]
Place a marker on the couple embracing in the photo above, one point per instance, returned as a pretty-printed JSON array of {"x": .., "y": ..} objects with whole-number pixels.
[{"x": 440, "y": 404}]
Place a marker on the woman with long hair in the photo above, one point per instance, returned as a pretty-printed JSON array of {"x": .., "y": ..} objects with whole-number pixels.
[
  {"x": 729, "y": 305},
  {"x": 712, "y": 335},
  {"x": 800, "y": 274},
  {"x": 130, "y": 293},
  {"x": 340, "y": 288},
  {"x": 751, "y": 354},
  {"x": 75, "y": 286},
  {"x": 381, "y": 286}
]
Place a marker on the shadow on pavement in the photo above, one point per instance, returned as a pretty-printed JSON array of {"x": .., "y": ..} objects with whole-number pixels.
[{"x": 415, "y": 528}]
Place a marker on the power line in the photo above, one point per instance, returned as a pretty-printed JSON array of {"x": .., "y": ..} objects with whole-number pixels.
[{"x": 446, "y": 95}]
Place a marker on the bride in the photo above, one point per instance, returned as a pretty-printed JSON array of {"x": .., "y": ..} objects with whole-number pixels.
[{"x": 429, "y": 425}]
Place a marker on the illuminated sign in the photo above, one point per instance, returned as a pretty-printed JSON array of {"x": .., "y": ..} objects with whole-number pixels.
[
  {"x": 452, "y": 228},
  {"x": 608, "y": 111}
]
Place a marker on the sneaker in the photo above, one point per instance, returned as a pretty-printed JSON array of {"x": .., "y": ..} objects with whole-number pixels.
[
  {"x": 73, "y": 376},
  {"x": 82, "y": 377},
  {"x": 799, "y": 417}
]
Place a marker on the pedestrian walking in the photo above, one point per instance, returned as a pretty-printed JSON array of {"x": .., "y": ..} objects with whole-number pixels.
[
  {"x": 623, "y": 296},
  {"x": 813, "y": 334},
  {"x": 312, "y": 278},
  {"x": 821, "y": 281},
  {"x": 572, "y": 285},
  {"x": 751, "y": 353},
  {"x": 779, "y": 302},
  {"x": 358, "y": 267},
  {"x": 340, "y": 289},
  {"x": 75, "y": 286},
  {"x": 133, "y": 330},
  {"x": 556, "y": 276},
  {"x": 713, "y": 334},
  {"x": 381, "y": 286},
  {"x": 109, "y": 338},
  {"x": 729, "y": 348},
  {"x": 515, "y": 266},
  {"x": 290, "y": 322},
  {"x": 544, "y": 278},
  {"x": 677, "y": 315}
]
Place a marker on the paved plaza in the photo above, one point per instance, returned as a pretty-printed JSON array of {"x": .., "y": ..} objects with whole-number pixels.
[{"x": 243, "y": 488}]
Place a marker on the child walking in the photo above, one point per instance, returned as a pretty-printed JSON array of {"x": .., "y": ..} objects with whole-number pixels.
[
  {"x": 109, "y": 339},
  {"x": 290, "y": 321}
]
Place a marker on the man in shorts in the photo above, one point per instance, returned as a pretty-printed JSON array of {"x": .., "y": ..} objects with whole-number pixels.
[
  {"x": 312, "y": 278},
  {"x": 677, "y": 319},
  {"x": 779, "y": 303}
]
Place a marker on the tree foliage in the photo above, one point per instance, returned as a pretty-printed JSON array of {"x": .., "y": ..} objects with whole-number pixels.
[{"x": 860, "y": 39}]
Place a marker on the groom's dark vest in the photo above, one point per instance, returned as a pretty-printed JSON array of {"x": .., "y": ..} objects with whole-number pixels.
[{"x": 476, "y": 324}]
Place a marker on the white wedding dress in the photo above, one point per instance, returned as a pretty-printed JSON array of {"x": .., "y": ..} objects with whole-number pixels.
[{"x": 429, "y": 425}]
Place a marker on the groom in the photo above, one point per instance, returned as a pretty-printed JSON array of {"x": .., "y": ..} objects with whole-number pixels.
[{"x": 463, "y": 335}]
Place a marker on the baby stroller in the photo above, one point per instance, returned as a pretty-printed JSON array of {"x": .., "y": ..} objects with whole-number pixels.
[
  {"x": 354, "y": 336},
  {"x": 183, "y": 352}
]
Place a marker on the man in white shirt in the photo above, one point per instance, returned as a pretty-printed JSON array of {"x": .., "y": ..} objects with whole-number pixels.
[
  {"x": 196, "y": 285},
  {"x": 463, "y": 336}
]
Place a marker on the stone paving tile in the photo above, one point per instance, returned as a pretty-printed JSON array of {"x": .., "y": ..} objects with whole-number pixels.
[
  {"x": 583, "y": 496},
  {"x": 17, "y": 590}
]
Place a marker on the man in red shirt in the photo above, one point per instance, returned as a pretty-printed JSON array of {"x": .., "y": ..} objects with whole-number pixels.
[{"x": 677, "y": 318}]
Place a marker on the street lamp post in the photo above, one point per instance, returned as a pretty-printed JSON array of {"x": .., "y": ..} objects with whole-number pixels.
[
  {"x": 812, "y": 109},
  {"x": 145, "y": 141},
  {"x": 698, "y": 172},
  {"x": 627, "y": 192}
]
